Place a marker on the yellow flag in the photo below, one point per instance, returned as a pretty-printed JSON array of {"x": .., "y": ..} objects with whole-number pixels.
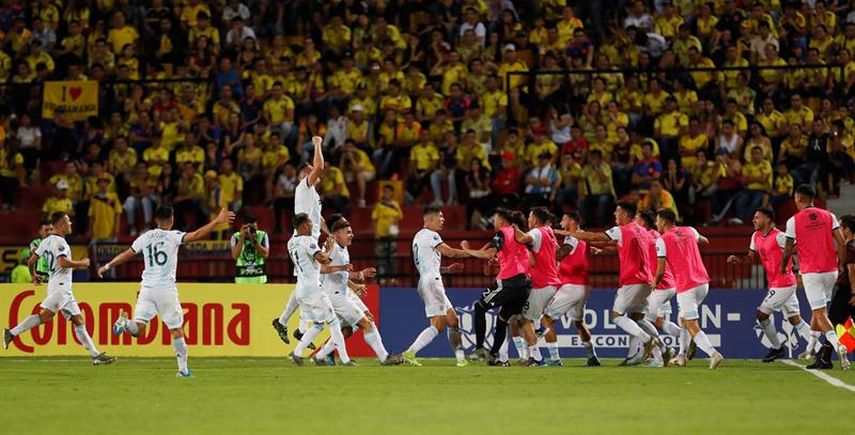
[{"x": 78, "y": 99}]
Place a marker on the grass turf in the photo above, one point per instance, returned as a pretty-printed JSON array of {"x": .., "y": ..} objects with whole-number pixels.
[{"x": 252, "y": 395}]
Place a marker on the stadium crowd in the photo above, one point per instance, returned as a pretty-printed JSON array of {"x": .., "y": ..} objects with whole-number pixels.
[{"x": 213, "y": 104}]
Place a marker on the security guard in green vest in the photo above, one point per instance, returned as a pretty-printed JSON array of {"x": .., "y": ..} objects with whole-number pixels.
[
  {"x": 42, "y": 269},
  {"x": 250, "y": 247}
]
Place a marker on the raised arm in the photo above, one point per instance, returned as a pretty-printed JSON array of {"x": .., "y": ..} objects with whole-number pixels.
[
  {"x": 224, "y": 216},
  {"x": 122, "y": 258},
  {"x": 747, "y": 258},
  {"x": 326, "y": 268},
  {"x": 317, "y": 160},
  {"x": 590, "y": 237},
  {"x": 448, "y": 251},
  {"x": 521, "y": 237}
]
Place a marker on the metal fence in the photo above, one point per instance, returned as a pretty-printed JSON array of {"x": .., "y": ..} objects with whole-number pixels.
[{"x": 217, "y": 266}]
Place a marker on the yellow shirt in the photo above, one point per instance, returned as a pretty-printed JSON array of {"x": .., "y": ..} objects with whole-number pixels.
[
  {"x": 594, "y": 184},
  {"x": 121, "y": 37},
  {"x": 784, "y": 185},
  {"x": 398, "y": 104},
  {"x": 454, "y": 74},
  {"x": 387, "y": 133},
  {"x": 277, "y": 108},
  {"x": 75, "y": 184},
  {"x": 358, "y": 131},
  {"x": 686, "y": 100},
  {"x": 369, "y": 107},
  {"x": 655, "y": 103},
  {"x": 91, "y": 184},
  {"x": 123, "y": 163},
  {"x": 407, "y": 134},
  {"x": 41, "y": 58},
  {"x": 740, "y": 122},
  {"x": 427, "y": 107},
  {"x": 424, "y": 156},
  {"x": 759, "y": 170},
  {"x": 336, "y": 36},
  {"x": 331, "y": 181},
  {"x": 195, "y": 155},
  {"x": 534, "y": 150},
  {"x": 771, "y": 122},
  {"x": 56, "y": 205},
  {"x": 516, "y": 80},
  {"x": 385, "y": 215},
  {"x": 667, "y": 27},
  {"x": 438, "y": 130},
  {"x": 104, "y": 210},
  {"x": 495, "y": 104},
  {"x": 666, "y": 200},
  {"x": 465, "y": 154},
  {"x": 74, "y": 43},
  {"x": 693, "y": 145},
  {"x": 209, "y": 32},
  {"x": 362, "y": 160},
  {"x": 346, "y": 81},
  {"x": 231, "y": 187},
  {"x": 155, "y": 158},
  {"x": 194, "y": 187},
  {"x": 5, "y": 169},
  {"x": 189, "y": 13},
  {"x": 799, "y": 117},
  {"x": 671, "y": 124},
  {"x": 704, "y": 77}
]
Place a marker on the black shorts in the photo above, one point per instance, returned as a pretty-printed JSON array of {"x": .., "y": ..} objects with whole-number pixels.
[
  {"x": 840, "y": 310},
  {"x": 510, "y": 294}
]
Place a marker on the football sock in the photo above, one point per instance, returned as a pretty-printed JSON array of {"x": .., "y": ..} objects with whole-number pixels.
[
  {"x": 522, "y": 350},
  {"x": 631, "y": 328},
  {"x": 831, "y": 336},
  {"x": 503, "y": 351},
  {"x": 684, "y": 340},
  {"x": 553, "y": 351},
  {"x": 589, "y": 349},
  {"x": 534, "y": 352},
  {"x": 500, "y": 336},
  {"x": 423, "y": 339},
  {"x": 372, "y": 337},
  {"x": 338, "y": 338},
  {"x": 803, "y": 329},
  {"x": 671, "y": 329},
  {"x": 310, "y": 335},
  {"x": 771, "y": 333},
  {"x": 26, "y": 325},
  {"x": 480, "y": 325},
  {"x": 327, "y": 349},
  {"x": 290, "y": 307},
  {"x": 650, "y": 329},
  {"x": 132, "y": 327},
  {"x": 813, "y": 340},
  {"x": 633, "y": 346},
  {"x": 180, "y": 347},
  {"x": 704, "y": 343},
  {"x": 456, "y": 343},
  {"x": 84, "y": 338}
]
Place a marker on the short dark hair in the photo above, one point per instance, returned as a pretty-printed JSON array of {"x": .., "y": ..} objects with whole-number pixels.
[
  {"x": 333, "y": 219},
  {"x": 649, "y": 217},
  {"x": 163, "y": 212},
  {"x": 628, "y": 207},
  {"x": 302, "y": 166},
  {"x": 806, "y": 190},
  {"x": 388, "y": 187},
  {"x": 848, "y": 222},
  {"x": 250, "y": 219},
  {"x": 667, "y": 214},
  {"x": 505, "y": 214},
  {"x": 43, "y": 222},
  {"x": 431, "y": 209},
  {"x": 574, "y": 215},
  {"x": 57, "y": 217},
  {"x": 767, "y": 211},
  {"x": 340, "y": 224},
  {"x": 300, "y": 219},
  {"x": 518, "y": 219},
  {"x": 542, "y": 214}
]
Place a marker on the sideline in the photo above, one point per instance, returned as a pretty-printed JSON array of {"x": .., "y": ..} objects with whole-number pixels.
[{"x": 834, "y": 382}]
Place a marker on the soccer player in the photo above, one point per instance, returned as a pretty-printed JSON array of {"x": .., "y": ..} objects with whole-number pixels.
[
  {"x": 630, "y": 304},
  {"x": 768, "y": 243},
  {"x": 315, "y": 305},
  {"x": 335, "y": 284},
  {"x": 814, "y": 233},
  {"x": 45, "y": 229},
  {"x": 158, "y": 293},
  {"x": 541, "y": 240},
  {"x": 571, "y": 297},
  {"x": 306, "y": 200},
  {"x": 843, "y": 302},
  {"x": 55, "y": 250},
  {"x": 678, "y": 247},
  {"x": 659, "y": 301},
  {"x": 428, "y": 249},
  {"x": 511, "y": 290}
]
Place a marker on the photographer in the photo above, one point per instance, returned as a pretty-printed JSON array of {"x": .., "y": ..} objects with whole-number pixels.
[{"x": 250, "y": 247}]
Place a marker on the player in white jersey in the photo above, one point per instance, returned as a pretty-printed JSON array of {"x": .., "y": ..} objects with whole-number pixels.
[
  {"x": 307, "y": 201},
  {"x": 428, "y": 249},
  {"x": 335, "y": 284},
  {"x": 158, "y": 293},
  {"x": 315, "y": 305},
  {"x": 59, "y": 297}
]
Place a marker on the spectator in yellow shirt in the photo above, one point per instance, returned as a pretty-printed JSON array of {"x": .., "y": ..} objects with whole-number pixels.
[
  {"x": 357, "y": 166},
  {"x": 333, "y": 189},
  {"x": 424, "y": 157},
  {"x": 658, "y": 198},
  {"x": 190, "y": 197},
  {"x": 73, "y": 181},
  {"x": 59, "y": 202},
  {"x": 386, "y": 216},
  {"x": 122, "y": 34},
  {"x": 757, "y": 175},
  {"x": 231, "y": 186},
  {"x": 105, "y": 211},
  {"x": 783, "y": 189}
]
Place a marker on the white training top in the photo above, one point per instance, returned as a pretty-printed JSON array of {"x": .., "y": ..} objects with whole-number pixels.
[
  {"x": 160, "y": 256},
  {"x": 337, "y": 282},
  {"x": 572, "y": 242},
  {"x": 307, "y": 200},
  {"x": 53, "y": 247},
  {"x": 302, "y": 250},
  {"x": 425, "y": 255},
  {"x": 536, "y": 238}
]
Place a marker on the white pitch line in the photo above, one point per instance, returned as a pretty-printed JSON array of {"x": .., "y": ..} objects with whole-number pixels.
[{"x": 834, "y": 382}]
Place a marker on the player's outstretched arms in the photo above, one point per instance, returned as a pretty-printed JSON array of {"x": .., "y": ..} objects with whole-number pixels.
[
  {"x": 364, "y": 274},
  {"x": 122, "y": 258},
  {"x": 317, "y": 160},
  {"x": 65, "y": 263},
  {"x": 589, "y": 236},
  {"x": 452, "y": 268},
  {"x": 485, "y": 253},
  {"x": 224, "y": 216},
  {"x": 448, "y": 251},
  {"x": 325, "y": 268}
]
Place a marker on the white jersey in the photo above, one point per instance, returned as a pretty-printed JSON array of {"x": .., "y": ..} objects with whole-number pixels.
[
  {"x": 332, "y": 282},
  {"x": 159, "y": 248},
  {"x": 51, "y": 248},
  {"x": 307, "y": 200},
  {"x": 302, "y": 250},
  {"x": 425, "y": 255}
]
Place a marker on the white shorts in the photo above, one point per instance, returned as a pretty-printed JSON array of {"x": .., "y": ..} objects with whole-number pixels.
[
  {"x": 433, "y": 295},
  {"x": 659, "y": 303},
  {"x": 162, "y": 302},
  {"x": 631, "y": 299},
  {"x": 537, "y": 301},
  {"x": 315, "y": 305},
  {"x": 818, "y": 288},
  {"x": 781, "y": 299},
  {"x": 570, "y": 300},
  {"x": 357, "y": 301},
  {"x": 61, "y": 301},
  {"x": 345, "y": 309},
  {"x": 690, "y": 300}
]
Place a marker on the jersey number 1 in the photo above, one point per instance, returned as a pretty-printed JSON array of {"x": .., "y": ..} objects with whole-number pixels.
[{"x": 155, "y": 256}]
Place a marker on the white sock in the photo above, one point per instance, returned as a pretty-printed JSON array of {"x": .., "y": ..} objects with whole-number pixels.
[
  {"x": 553, "y": 351},
  {"x": 657, "y": 354},
  {"x": 632, "y": 347},
  {"x": 28, "y": 323},
  {"x": 684, "y": 340},
  {"x": 831, "y": 336},
  {"x": 813, "y": 341},
  {"x": 522, "y": 350},
  {"x": 338, "y": 338},
  {"x": 132, "y": 327},
  {"x": 290, "y": 307},
  {"x": 84, "y": 338},
  {"x": 650, "y": 329},
  {"x": 534, "y": 352},
  {"x": 327, "y": 349},
  {"x": 771, "y": 333},
  {"x": 304, "y": 325},
  {"x": 589, "y": 349},
  {"x": 423, "y": 339},
  {"x": 308, "y": 336},
  {"x": 631, "y": 328},
  {"x": 671, "y": 329},
  {"x": 456, "y": 343},
  {"x": 704, "y": 343},
  {"x": 180, "y": 353},
  {"x": 803, "y": 329},
  {"x": 372, "y": 337},
  {"x": 503, "y": 351}
]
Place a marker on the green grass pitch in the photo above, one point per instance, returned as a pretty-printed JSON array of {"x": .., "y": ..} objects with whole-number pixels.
[{"x": 266, "y": 395}]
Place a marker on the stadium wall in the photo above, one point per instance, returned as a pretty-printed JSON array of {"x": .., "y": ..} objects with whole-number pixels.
[{"x": 219, "y": 320}]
